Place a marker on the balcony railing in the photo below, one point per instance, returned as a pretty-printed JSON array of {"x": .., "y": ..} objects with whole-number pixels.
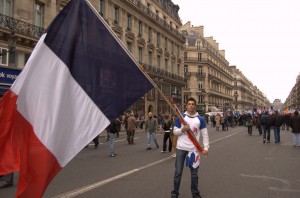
[
  {"x": 162, "y": 73},
  {"x": 20, "y": 27},
  {"x": 201, "y": 75}
]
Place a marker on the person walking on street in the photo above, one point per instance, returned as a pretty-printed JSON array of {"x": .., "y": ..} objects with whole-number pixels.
[
  {"x": 131, "y": 127},
  {"x": 142, "y": 120},
  {"x": 249, "y": 124},
  {"x": 112, "y": 131},
  {"x": 258, "y": 123},
  {"x": 278, "y": 121},
  {"x": 150, "y": 128},
  {"x": 295, "y": 125},
  {"x": 186, "y": 150},
  {"x": 96, "y": 142},
  {"x": 166, "y": 127},
  {"x": 218, "y": 121},
  {"x": 173, "y": 137},
  {"x": 266, "y": 121}
]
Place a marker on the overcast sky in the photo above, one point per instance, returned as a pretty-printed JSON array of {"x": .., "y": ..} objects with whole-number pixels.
[{"x": 260, "y": 37}]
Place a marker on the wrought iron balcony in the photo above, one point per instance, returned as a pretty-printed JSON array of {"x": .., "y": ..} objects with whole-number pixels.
[
  {"x": 201, "y": 75},
  {"x": 161, "y": 73},
  {"x": 20, "y": 27}
]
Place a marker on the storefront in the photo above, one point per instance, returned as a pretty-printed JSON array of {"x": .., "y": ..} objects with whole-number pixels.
[{"x": 7, "y": 78}]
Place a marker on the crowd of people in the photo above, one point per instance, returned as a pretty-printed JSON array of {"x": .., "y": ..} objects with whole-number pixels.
[{"x": 263, "y": 121}]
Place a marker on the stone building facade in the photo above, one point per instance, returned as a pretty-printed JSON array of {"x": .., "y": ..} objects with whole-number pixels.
[
  {"x": 21, "y": 25},
  {"x": 246, "y": 96},
  {"x": 292, "y": 102},
  {"x": 208, "y": 74}
]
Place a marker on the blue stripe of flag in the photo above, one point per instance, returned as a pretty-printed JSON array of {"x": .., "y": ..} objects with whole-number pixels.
[{"x": 95, "y": 59}]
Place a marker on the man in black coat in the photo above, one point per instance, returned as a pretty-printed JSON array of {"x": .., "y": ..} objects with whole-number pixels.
[{"x": 266, "y": 126}]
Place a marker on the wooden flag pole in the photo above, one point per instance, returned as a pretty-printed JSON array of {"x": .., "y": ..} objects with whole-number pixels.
[{"x": 174, "y": 108}]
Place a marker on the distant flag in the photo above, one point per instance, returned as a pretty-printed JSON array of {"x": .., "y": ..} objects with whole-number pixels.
[{"x": 78, "y": 78}]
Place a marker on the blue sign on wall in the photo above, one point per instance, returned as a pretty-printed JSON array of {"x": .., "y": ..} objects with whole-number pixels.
[{"x": 8, "y": 76}]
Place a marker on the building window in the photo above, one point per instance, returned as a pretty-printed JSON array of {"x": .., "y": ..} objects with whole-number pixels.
[
  {"x": 200, "y": 99},
  {"x": 166, "y": 64},
  {"x": 198, "y": 45},
  {"x": 200, "y": 70},
  {"x": 102, "y": 7},
  {"x": 157, "y": 14},
  {"x": 21, "y": 59},
  {"x": 129, "y": 22},
  {"x": 158, "y": 39},
  {"x": 185, "y": 55},
  {"x": 199, "y": 56},
  {"x": 117, "y": 15},
  {"x": 158, "y": 62},
  {"x": 6, "y": 7},
  {"x": 148, "y": 7},
  {"x": 129, "y": 46},
  {"x": 4, "y": 58},
  {"x": 166, "y": 43},
  {"x": 172, "y": 47},
  {"x": 235, "y": 84},
  {"x": 150, "y": 34},
  {"x": 140, "y": 28},
  {"x": 172, "y": 67},
  {"x": 185, "y": 84},
  {"x": 185, "y": 69},
  {"x": 200, "y": 85},
  {"x": 185, "y": 99},
  {"x": 38, "y": 14},
  {"x": 150, "y": 58},
  {"x": 178, "y": 70},
  {"x": 140, "y": 55}
]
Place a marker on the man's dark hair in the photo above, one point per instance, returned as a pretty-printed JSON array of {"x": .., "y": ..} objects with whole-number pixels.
[
  {"x": 191, "y": 99},
  {"x": 296, "y": 113}
]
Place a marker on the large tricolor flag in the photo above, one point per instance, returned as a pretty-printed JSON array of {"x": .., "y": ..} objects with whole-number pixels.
[{"x": 78, "y": 78}]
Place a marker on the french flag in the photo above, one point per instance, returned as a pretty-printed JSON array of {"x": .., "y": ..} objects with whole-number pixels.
[{"x": 78, "y": 78}]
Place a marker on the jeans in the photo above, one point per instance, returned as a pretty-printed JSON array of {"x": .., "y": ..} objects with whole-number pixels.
[
  {"x": 180, "y": 158},
  {"x": 266, "y": 132},
  {"x": 151, "y": 135},
  {"x": 277, "y": 134},
  {"x": 112, "y": 137},
  {"x": 296, "y": 139}
]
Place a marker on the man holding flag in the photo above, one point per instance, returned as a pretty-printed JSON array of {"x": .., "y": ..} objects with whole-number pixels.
[
  {"x": 74, "y": 83},
  {"x": 186, "y": 149}
]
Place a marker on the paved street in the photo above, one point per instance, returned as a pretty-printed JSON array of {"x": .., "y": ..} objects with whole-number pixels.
[{"x": 238, "y": 166}]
